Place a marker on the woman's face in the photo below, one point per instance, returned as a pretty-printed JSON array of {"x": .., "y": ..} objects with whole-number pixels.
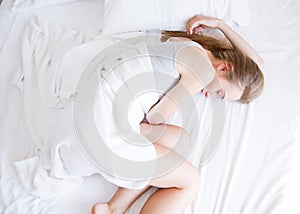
[{"x": 222, "y": 88}]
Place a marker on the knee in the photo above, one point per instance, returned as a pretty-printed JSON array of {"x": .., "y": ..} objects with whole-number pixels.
[
  {"x": 150, "y": 132},
  {"x": 93, "y": 210}
]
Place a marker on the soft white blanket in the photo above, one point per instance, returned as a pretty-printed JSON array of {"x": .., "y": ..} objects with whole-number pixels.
[{"x": 46, "y": 98}]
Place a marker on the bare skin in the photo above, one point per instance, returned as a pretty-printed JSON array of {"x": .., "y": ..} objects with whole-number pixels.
[{"x": 177, "y": 188}]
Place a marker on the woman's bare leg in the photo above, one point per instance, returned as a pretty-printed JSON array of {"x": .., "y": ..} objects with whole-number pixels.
[
  {"x": 177, "y": 188},
  {"x": 177, "y": 184},
  {"x": 164, "y": 134},
  {"x": 120, "y": 202}
]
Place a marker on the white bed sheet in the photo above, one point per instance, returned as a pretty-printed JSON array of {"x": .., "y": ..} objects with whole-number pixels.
[
  {"x": 84, "y": 16},
  {"x": 247, "y": 174}
]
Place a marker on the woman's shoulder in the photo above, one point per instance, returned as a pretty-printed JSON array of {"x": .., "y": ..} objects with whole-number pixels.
[
  {"x": 190, "y": 47},
  {"x": 194, "y": 58}
]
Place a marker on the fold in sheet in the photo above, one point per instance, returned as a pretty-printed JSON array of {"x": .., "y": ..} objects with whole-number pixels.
[
  {"x": 47, "y": 117},
  {"x": 53, "y": 60}
]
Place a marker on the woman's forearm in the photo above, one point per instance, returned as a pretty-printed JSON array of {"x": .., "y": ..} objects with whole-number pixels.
[
  {"x": 161, "y": 111},
  {"x": 238, "y": 42}
]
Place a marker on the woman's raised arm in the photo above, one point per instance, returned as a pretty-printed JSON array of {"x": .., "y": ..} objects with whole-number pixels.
[{"x": 201, "y": 22}]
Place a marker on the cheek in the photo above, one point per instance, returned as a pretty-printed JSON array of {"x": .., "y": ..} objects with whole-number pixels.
[
  {"x": 215, "y": 85},
  {"x": 233, "y": 92}
]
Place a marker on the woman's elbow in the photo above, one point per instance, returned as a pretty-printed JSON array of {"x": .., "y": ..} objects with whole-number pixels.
[{"x": 155, "y": 118}]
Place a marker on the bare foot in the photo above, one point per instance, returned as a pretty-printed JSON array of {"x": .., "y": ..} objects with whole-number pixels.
[{"x": 101, "y": 208}]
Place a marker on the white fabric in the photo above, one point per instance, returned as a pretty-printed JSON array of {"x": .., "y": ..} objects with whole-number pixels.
[
  {"x": 236, "y": 11},
  {"x": 39, "y": 89},
  {"x": 47, "y": 86},
  {"x": 136, "y": 15},
  {"x": 246, "y": 175},
  {"x": 22, "y": 4}
]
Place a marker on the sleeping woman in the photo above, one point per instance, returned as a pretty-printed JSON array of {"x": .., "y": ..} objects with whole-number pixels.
[{"x": 229, "y": 69}]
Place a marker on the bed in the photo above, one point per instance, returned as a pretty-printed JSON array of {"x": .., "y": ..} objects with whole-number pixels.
[{"x": 249, "y": 171}]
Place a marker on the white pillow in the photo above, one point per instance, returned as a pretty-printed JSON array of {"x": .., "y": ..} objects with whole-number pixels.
[
  {"x": 20, "y": 4},
  {"x": 138, "y": 15},
  {"x": 230, "y": 10}
]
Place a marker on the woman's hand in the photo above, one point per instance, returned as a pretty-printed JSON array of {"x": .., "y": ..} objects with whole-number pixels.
[{"x": 201, "y": 22}]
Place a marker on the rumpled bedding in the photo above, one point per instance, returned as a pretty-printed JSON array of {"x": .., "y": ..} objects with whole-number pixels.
[
  {"x": 53, "y": 60},
  {"x": 247, "y": 173},
  {"x": 47, "y": 115}
]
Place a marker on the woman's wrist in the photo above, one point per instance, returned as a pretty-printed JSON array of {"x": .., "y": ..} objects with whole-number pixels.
[{"x": 221, "y": 24}]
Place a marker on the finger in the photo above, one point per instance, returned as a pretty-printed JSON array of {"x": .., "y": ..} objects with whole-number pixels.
[
  {"x": 198, "y": 28},
  {"x": 190, "y": 25},
  {"x": 189, "y": 29}
]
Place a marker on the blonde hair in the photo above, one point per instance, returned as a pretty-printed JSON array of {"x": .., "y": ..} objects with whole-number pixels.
[{"x": 245, "y": 71}]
